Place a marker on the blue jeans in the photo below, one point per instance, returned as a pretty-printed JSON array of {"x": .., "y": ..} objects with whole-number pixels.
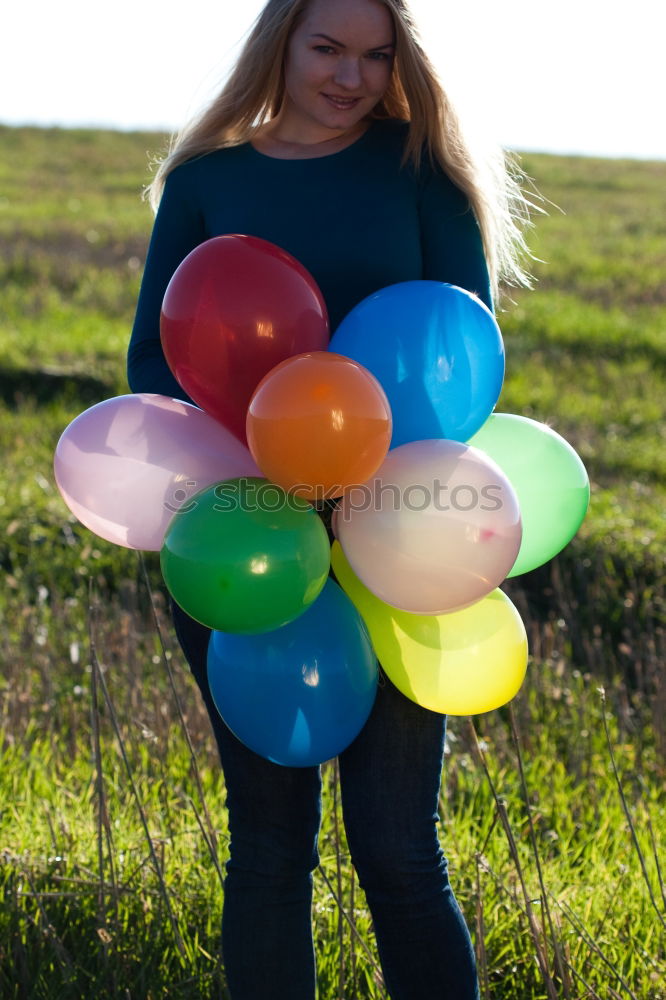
[{"x": 390, "y": 779}]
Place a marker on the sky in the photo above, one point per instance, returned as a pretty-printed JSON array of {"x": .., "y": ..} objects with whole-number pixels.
[{"x": 576, "y": 76}]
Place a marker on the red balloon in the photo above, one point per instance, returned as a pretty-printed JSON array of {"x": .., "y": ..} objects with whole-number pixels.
[{"x": 236, "y": 307}]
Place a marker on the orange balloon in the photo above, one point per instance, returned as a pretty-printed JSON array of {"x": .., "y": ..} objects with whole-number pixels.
[{"x": 318, "y": 424}]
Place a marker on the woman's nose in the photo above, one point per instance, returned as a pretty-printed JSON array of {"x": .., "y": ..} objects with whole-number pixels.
[{"x": 348, "y": 74}]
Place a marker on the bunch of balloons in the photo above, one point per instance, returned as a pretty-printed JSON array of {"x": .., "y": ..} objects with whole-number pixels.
[{"x": 437, "y": 499}]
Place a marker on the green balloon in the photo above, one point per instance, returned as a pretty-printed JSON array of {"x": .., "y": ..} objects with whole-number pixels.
[
  {"x": 549, "y": 478},
  {"x": 244, "y": 556}
]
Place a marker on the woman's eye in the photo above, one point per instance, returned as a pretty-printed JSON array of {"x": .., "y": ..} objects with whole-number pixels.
[
  {"x": 379, "y": 56},
  {"x": 326, "y": 49}
]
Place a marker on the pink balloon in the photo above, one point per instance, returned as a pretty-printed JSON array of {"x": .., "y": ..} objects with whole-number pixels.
[
  {"x": 435, "y": 530},
  {"x": 126, "y": 465}
]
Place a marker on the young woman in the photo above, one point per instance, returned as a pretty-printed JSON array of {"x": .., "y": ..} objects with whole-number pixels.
[{"x": 333, "y": 139}]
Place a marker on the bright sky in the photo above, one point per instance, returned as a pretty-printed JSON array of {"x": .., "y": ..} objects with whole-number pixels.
[{"x": 582, "y": 76}]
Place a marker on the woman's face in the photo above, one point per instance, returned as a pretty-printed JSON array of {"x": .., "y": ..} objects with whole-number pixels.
[{"x": 339, "y": 64}]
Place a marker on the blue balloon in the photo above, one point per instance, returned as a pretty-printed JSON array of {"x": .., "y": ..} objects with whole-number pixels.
[
  {"x": 436, "y": 350},
  {"x": 300, "y": 694}
]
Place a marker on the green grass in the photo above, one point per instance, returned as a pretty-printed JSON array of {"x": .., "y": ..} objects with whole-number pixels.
[
  {"x": 109, "y": 848},
  {"x": 88, "y": 895}
]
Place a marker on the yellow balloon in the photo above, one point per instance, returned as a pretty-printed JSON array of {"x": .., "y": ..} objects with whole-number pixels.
[{"x": 462, "y": 663}]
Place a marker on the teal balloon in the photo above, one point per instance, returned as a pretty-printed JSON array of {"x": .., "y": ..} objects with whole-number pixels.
[
  {"x": 437, "y": 353},
  {"x": 549, "y": 478},
  {"x": 245, "y": 556},
  {"x": 299, "y": 695}
]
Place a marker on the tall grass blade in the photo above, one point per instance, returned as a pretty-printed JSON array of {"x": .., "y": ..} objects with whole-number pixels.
[
  {"x": 338, "y": 876},
  {"x": 545, "y": 909},
  {"x": 376, "y": 968},
  {"x": 535, "y": 930},
  {"x": 104, "y": 832},
  {"x": 212, "y": 837},
  {"x": 580, "y": 929},
  {"x": 655, "y": 852},
  {"x": 481, "y": 956},
  {"x": 62, "y": 955},
  {"x": 157, "y": 867},
  {"x": 627, "y": 813}
]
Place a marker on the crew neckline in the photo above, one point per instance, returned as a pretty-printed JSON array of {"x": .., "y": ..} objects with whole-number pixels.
[{"x": 314, "y": 159}]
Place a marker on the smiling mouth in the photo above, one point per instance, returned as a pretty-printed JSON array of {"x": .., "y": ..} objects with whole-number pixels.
[{"x": 343, "y": 103}]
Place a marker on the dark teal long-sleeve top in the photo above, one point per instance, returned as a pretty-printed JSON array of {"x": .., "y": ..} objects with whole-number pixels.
[{"x": 356, "y": 219}]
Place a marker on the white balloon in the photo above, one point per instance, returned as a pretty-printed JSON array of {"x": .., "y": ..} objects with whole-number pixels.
[{"x": 436, "y": 529}]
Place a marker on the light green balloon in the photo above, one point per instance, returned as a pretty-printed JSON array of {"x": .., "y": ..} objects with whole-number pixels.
[{"x": 549, "y": 478}]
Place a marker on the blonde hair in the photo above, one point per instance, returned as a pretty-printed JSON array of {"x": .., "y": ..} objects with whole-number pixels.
[{"x": 254, "y": 93}]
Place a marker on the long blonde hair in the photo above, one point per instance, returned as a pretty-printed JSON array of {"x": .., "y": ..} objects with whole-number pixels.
[{"x": 254, "y": 92}]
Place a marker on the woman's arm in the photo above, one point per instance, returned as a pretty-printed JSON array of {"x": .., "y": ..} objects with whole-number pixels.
[
  {"x": 450, "y": 238},
  {"x": 178, "y": 229}
]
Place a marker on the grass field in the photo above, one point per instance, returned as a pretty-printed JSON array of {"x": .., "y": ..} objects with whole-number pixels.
[{"x": 112, "y": 821}]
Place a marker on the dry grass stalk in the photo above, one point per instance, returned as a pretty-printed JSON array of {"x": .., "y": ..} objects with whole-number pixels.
[
  {"x": 627, "y": 814},
  {"x": 535, "y": 930},
  {"x": 157, "y": 866}
]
